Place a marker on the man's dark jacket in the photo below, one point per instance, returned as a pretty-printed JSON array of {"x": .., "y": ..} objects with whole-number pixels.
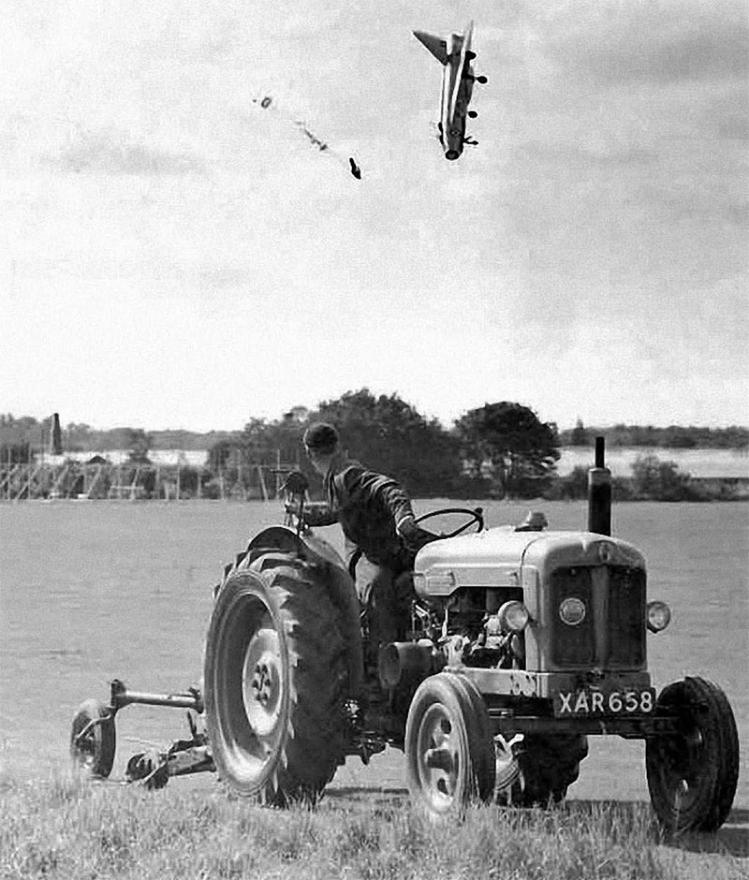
[{"x": 368, "y": 506}]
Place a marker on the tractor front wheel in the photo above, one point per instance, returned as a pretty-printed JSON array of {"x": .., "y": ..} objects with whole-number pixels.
[
  {"x": 692, "y": 774},
  {"x": 274, "y": 676},
  {"x": 449, "y": 747}
]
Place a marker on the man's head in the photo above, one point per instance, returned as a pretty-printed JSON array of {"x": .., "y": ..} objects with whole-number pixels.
[{"x": 321, "y": 442}]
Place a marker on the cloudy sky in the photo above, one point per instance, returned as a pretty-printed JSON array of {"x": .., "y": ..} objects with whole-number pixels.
[{"x": 174, "y": 255}]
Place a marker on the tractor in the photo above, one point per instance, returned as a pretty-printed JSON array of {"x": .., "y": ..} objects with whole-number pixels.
[{"x": 521, "y": 643}]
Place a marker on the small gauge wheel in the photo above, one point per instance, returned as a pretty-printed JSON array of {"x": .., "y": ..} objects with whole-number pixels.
[{"x": 93, "y": 739}]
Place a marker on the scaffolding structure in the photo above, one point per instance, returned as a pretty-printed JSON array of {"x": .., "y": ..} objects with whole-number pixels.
[{"x": 72, "y": 480}]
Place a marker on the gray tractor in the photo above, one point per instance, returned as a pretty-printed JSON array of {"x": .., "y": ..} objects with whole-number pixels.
[{"x": 521, "y": 642}]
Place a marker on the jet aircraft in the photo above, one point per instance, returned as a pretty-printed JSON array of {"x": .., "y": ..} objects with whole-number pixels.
[{"x": 457, "y": 86}]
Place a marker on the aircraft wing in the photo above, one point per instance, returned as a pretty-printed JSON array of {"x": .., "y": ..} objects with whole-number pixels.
[{"x": 436, "y": 45}]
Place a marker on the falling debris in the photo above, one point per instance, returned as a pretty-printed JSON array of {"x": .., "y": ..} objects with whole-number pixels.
[
  {"x": 267, "y": 102},
  {"x": 321, "y": 145}
]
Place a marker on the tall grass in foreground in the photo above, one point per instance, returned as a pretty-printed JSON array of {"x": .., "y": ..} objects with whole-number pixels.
[{"x": 64, "y": 827}]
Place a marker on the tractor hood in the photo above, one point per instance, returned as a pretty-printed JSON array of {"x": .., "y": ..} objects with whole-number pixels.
[{"x": 495, "y": 557}]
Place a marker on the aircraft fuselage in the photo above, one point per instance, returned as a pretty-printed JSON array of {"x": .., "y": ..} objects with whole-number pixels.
[
  {"x": 457, "y": 87},
  {"x": 458, "y": 77}
]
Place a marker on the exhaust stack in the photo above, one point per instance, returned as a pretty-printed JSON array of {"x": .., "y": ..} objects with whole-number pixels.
[
  {"x": 599, "y": 493},
  {"x": 56, "y": 435}
]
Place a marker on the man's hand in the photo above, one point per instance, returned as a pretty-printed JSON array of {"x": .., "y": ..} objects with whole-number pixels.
[
  {"x": 413, "y": 536},
  {"x": 314, "y": 513}
]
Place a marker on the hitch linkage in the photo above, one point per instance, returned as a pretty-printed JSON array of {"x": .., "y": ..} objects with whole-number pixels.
[
  {"x": 154, "y": 767},
  {"x": 121, "y": 696}
]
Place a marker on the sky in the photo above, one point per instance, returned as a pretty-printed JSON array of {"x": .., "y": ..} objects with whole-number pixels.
[{"x": 174, "y": 255}]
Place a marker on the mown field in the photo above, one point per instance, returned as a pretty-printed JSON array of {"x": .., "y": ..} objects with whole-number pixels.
[
  {"x": 62, "y": 828},
  {"x": 96, "y": 590}
]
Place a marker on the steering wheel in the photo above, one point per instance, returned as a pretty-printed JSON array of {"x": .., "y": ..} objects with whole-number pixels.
[{"x": 475, "y": 517}]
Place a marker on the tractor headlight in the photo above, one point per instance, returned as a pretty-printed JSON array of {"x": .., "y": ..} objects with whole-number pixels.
[
  {"x": 513, "y": 616},
  {"x": 659, "y": 616},
  {"x": 572, "y": 611}
]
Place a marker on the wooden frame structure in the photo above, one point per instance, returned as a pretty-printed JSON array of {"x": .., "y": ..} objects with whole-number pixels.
[{"x": 72, "y": 480}]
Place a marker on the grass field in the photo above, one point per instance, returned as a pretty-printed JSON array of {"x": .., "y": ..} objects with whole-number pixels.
[
  {"x": 63, "y": 828},
  {"x": 92, "y": 591}
]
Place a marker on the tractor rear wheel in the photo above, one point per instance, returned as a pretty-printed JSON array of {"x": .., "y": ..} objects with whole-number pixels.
[
  {"x": 548, "y": 765},
  {"x": 692, "y": 774},
  {"x": 449, "y": 748},
  {"x": 274, "y": 676}
]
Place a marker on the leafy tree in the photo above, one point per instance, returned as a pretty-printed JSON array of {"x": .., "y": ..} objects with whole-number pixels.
[
  {"x": 572, "y": 486},
  {"x": 138, "y": 443},
  {"x": 579, "y": 436},
  {"x": 218, "y": 455},
  {"x": 14, "y": 453},
  {"x": 522, "y": 450},
  {"x": 260, "y": 443},
  {"x": 660, "y": 480},
  {"x": 678, "y": 438},
  {"x": 389, "y": 435},
  {"x": 266, "y": 442}
]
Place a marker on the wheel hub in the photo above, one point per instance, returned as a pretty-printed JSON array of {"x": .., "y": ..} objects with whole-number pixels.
[
  {"x": 438, "y": 761},
  {"x": 262, "y": 681}
]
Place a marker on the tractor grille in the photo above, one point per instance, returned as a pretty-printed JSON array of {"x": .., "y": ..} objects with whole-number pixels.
[
  {"x": 573, "y": 645},
  {"x": 626, "y": 617},
  {"x": 612, "y": 633}
]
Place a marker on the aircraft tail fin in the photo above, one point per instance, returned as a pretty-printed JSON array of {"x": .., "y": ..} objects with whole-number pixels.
[{"x": 436, "y": 45}]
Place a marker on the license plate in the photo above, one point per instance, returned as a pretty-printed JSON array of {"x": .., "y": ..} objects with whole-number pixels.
[{"x": 590, "y": 702}]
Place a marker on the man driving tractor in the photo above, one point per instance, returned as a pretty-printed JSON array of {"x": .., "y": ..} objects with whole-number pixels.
[{"x": 381, "y": 534}]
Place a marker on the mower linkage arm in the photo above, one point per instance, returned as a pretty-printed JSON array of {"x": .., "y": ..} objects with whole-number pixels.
[{"x": 121, "y": 696}]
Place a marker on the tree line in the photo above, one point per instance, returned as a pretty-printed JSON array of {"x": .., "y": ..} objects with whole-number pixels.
[
  {"x": 81, "y": 437},
  {"x": 500, "y": 449},
  {"x": 671, "y": 437}
]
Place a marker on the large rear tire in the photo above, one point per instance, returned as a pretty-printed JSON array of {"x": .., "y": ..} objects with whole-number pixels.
[
  {"x": 692, "y": 774},
  {"x": 274, "y": 677},
  {"x": 448, "y": 745}
]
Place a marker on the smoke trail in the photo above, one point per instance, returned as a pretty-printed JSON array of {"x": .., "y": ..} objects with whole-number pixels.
[{"x": 268, "y": 104}]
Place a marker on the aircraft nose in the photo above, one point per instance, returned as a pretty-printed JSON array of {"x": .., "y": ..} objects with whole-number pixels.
[{"x": 452, "y": 154}]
